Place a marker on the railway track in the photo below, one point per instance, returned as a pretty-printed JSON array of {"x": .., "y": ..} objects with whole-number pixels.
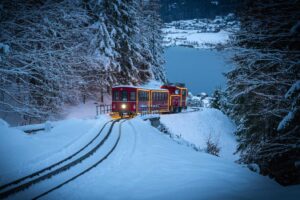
[
  {"x": 87, "y": 169},
  {"x": 48, "y": 172}
]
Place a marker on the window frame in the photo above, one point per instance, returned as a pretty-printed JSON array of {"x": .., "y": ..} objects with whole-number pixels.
[
  {"x": 132, "y": 96},
  {"x": 122, "y": 95},
  {"x": 116, "y": 95}
]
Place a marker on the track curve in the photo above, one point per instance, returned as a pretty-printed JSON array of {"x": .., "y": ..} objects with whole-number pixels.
[
  {"x": 86, "y": 170},
  {"x": 57, "y": 171}
]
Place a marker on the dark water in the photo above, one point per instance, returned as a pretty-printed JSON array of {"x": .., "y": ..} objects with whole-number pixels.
[{"x": 200, "y": 69}]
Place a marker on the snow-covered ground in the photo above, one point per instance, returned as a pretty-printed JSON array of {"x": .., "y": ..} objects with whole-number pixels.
[
  {"x": 22, "y": 154},
  {"x": 198, "y": 127},
  {"x": 146, "y": 164},
  {"x": 193, "y": 38},
  {"x": 200, "y": 33}
]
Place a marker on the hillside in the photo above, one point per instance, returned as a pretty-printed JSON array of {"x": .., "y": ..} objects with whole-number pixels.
[{"x": 146, "y": 164}]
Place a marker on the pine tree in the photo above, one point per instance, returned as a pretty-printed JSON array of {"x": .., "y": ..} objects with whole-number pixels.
[
  {"x": 216, "y": 101},
  {"x": 121, "y": 19},
  {"x": 267, "y": 59},
  {"x": 151, "y": 31}
]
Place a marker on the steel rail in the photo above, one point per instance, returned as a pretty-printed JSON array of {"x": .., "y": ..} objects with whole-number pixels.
[
  {"x": 86, "y": 170},
  {"x": 61, "y": 169}
]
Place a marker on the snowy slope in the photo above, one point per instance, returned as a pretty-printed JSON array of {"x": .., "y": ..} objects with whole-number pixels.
[
  {"x": 147, "y": 164},
  {"x": 22, "y": 154},
  {"x": 197, "y": 127}
]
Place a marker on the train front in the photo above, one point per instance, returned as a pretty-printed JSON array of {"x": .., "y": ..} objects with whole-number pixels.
[{"x": 123, "y": 101}]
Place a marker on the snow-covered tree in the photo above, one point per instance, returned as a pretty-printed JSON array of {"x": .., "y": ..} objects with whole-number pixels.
[
  {"x": 49, "y": 54},
  {"x": 121, "y": 20},
  {"x": 267, "y": 61},
  {"x": 216, "y": 99},
  {"x": 57, "y": 52},
  {"x": 151, "y": 31}
]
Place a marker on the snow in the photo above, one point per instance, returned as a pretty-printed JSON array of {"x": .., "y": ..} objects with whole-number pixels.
[
  {"x": 153, "y": 84},
  {"x": 293, "y": 89},
  {"x": 146, "y": 164},
  {"x": 27, "y": 128},
  {"x": 150, "y": 85},
  {"x": 4, "y": 48},
  {"x": 25, "y": 154},
  {"x": 200, "y": 33},
  {"x": 197, "y": 127},
  {"x": 85, "y": 110},
  {"x": 284, "y": 122},
  {"x": 3, "y": 123},
  {"x": 177, "y": 37},
  {"x": 291, "y": 114}
]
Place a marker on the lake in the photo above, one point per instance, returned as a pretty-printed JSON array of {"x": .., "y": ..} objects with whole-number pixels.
[{"x": 200, "y": 69}]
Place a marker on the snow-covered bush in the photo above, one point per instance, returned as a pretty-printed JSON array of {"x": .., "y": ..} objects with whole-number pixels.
[{"x": 212, "y": 147}]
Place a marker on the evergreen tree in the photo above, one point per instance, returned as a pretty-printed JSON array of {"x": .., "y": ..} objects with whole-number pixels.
[
  {"x": 267, "y": 59},
  {"x": 57, "y": 52},
  {"x": 151, "y": 30},
  {"x": 216, "y": 99},
  {"x": 121, "y": 19}
]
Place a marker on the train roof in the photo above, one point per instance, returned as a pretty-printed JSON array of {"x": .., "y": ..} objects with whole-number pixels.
[{"x": 140, "y": 87}]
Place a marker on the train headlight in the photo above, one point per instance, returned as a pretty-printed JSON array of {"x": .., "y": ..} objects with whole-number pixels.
[{"x": 123, "y": 106}]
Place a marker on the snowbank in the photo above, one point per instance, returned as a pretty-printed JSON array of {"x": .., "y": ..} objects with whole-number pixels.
[
  {"x": 148, "y": 165},
  {"x": 23, "y": 154},
  {"x": 197, "y": 127}
]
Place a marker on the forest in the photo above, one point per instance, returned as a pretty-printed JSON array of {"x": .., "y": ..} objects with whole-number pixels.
[
  {"x": 56, "y": 52},
  {"x": 263, "y": 90}
]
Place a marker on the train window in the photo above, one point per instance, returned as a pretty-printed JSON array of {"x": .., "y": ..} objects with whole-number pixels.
[
  {"x": 142, "y": 96},
  {"x": 124, "y": 96},
  {"x": 184, "y": 93},
  {"x": 116, "y": 96},
  {"x": 132, "y": 96},
  {"x": 176, "y": 91},
  {"x": 146, "y": 96},
  {"x": 164, "y": 97}
]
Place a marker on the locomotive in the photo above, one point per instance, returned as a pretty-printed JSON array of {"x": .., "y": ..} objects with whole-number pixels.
[{"x": 132, "y": 100}]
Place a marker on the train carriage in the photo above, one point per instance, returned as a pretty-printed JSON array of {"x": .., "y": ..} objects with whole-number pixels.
[
  {"x": 131, "y": 100},
  {"x": 177, "y": 97},
  {"x": 159, "y": 101}
]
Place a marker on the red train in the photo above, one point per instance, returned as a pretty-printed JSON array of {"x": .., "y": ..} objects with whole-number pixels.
[{"x": 131, "y": 100}]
